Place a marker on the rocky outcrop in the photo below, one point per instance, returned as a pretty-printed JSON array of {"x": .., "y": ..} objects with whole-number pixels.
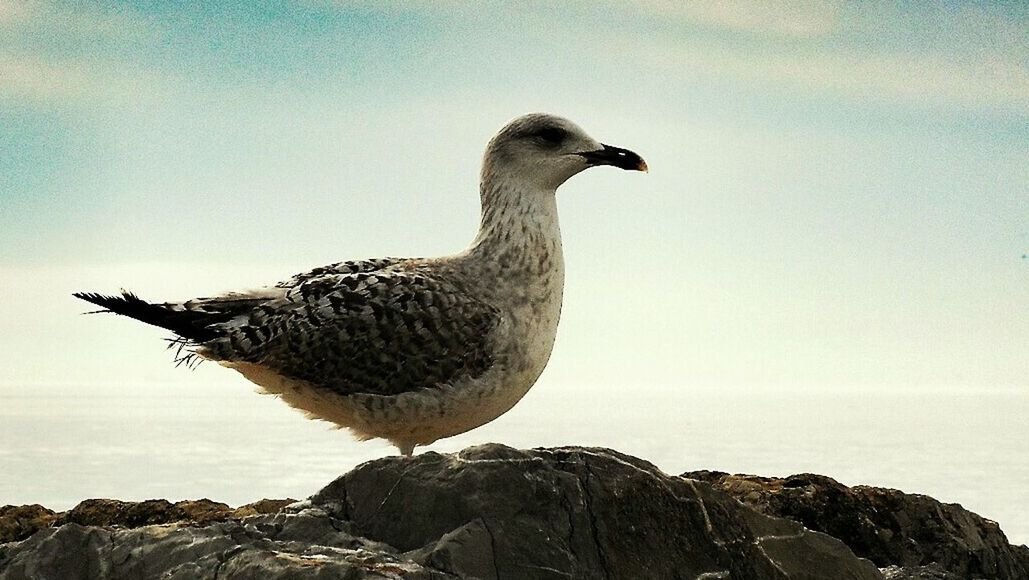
[
  {"x": 496, "y": 512},
  {"x": 489, "y": 512},
  {"x": 492, "y": 512},
  {"x": 20, "y": 522},
  {"x": 910, "y": 536}
]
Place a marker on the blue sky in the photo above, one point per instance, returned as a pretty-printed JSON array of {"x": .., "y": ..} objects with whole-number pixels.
[{"x": 838, "y": 196}]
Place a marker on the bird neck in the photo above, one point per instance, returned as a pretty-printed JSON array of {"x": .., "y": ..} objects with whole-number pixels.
[{"x": 519, "y": 228}]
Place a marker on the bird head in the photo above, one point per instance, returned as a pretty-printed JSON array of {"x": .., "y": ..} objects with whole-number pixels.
[{"x": 545, "y": 150}]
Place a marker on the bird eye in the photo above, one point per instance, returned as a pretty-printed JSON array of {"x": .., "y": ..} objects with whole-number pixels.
[{"x": 552, "y": 135}]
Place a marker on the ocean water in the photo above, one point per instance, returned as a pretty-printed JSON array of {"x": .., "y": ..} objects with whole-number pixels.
[{"x": 60, "y": 444}]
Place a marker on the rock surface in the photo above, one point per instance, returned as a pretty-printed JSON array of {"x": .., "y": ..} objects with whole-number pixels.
[
  {"x": 488, "y": 512},
  {"x": 496, "y": 512},
  {"x": 930, "y": 572},
  {"x": 915, "y": 534},
  {"x": 20, "y": 522}
]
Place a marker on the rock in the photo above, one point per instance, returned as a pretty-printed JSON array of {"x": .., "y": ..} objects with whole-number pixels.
[
  {"x": 572, "y": 513},
  {"x": 111, "y": 512},
  {"x": 891, "y": 528},
  {"x": 930, "y": 572},
  {"x": 229, "y": 550},
  {"x": 20, "y": 522},
  {"x": 264, "y": 506},
  {"x": 488, "y": 512}
]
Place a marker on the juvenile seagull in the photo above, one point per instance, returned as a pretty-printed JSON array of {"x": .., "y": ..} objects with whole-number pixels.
[{"x": 411, "y": 350}]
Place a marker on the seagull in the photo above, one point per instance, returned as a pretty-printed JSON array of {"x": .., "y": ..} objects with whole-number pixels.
[{"x": 410, "y": 350}]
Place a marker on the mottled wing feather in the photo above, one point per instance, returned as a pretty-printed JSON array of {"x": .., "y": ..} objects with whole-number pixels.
[
  {"x": 348, "y": 267},
  {"x": 373, "y": 331}
]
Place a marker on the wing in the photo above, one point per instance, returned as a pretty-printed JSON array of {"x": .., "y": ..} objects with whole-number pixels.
[
  {"x": 349, "y": 267},
  {"x": 376, "y": 331}
]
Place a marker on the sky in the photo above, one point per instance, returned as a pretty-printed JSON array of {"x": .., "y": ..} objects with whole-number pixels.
[{"x": 838, "y": 195}]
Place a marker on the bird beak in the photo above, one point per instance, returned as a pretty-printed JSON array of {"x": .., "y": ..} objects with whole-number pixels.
[{"x": 616, "y": 156}]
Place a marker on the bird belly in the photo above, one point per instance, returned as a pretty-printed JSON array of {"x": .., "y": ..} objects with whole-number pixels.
[{"x": 417, "y": 417}]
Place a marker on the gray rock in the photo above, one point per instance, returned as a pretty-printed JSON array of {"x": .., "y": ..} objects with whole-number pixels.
[
  {"x": 284, "y": 546},
  {"x": 573, "y": 513},
  {"x": 930, "y": 572},
  {"x": 909, "y": 532},
  {"x": 489, "y": 512}
]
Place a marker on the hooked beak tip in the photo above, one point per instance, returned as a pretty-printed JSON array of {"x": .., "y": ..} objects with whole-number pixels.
[{"x": 616, "y": 156}]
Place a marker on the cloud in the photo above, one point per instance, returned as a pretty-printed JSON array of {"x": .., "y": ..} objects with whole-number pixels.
[
  {"x": 993, "y": 83},
  {"x": 793, "y": 18},
  {"x": 969, "y": 59},
  {"x": 776, "y": 17},
  {"x": 77, "y": 83},
  {"x": 32, "y": 79},
  {"x": 91, "y": 22},
  {"x": 972, "y": 59},
  {"x": 983, "y": 69},
  {"x": 34, "y": 69},
  {"x": 14, "y": 11}
]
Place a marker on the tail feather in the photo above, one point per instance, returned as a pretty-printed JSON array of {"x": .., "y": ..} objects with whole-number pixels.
[{"x": 193, "y": 325}]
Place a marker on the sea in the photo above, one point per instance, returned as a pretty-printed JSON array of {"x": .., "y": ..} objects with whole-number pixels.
[{"x": 60, "y": 444}]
